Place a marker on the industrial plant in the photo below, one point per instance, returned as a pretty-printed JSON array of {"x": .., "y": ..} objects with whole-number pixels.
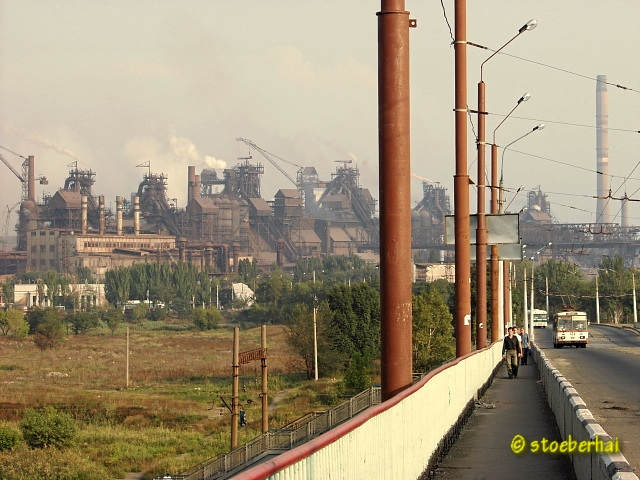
[{"x": 226, "y": 219}]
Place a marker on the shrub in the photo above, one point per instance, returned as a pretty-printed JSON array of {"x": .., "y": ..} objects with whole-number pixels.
[
  {"x": 49, "y": 334},
  {"x": 356, "y": 377},
  {"x": 82, "y": 322},
  {"x": 47, "y": 428},
  {"x": 8, "y": 438},
  {"x": 113, "y": 318},
  {"x": 206, "y": 318},
  {"x": 18, "y": 326}
]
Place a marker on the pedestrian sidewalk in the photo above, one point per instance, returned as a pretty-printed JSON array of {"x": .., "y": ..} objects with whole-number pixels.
[{"x": 510, "y": 407}]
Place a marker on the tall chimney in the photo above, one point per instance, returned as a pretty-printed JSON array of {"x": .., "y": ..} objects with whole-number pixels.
[
  {"x": 191, "y": 182},
  {"x": 136, "y": 215},
  {"x": 84, "y": 214},
  {"x": 101, "y": 224},
  {"x": 602, "y": 151},
  {"x": 196, "y": 187},
  {"x": 118, "y": 215}
]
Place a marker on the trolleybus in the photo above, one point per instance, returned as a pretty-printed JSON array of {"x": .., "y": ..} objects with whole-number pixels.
[
  {"x": 570, "y": 328},
  {"x": 539, "y": 318}
]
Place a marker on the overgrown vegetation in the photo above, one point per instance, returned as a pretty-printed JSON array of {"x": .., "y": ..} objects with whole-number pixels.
[
  {"x": 47, "y": 428},
  {"x": 66, "y": 384}
]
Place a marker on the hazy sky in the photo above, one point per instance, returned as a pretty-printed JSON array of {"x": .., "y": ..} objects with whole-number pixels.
[{"x": 114, "y": 84}]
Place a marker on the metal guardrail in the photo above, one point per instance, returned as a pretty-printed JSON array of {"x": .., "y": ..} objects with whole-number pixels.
[{"x": 281, "y": 439}]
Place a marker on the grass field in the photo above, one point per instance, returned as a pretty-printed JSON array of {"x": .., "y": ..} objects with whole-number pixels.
[{"x": 169, "y": 418}]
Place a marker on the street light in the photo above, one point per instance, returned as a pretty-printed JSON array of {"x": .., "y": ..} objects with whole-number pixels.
[
  {"x": 507, "y": 286},
  {"x": 501, "y": 201},
  {"x": 481, "y": 232},
  {"x": 497, "y": 321},
  {"x": 520, "y": 188}
]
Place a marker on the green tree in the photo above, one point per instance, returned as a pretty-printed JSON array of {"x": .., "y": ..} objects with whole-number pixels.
[
  {"x": 136, "y": 314},
  {"x": 248, "y": 270},
  {"x": 615, "y": 290},
  {"x": 433, "y": 341},
  {"x": 51, "y": 331},
  {"x": 52, "y": 280},
  {"x": 356, "y": 319},
  {"x": 300, "y": 339},
  {"x": 358, "y": 377},
  {"x": 8, "y": 289},
  {"x": 83, "y": 274},
  {"x": 82, "y": 322},
  {"x": 117, "y": 285},
  {"x": 48, "y": 428},
  {"x": 206, "y": 318},
  {"x": 566, "y": 283},
  {"x": 12, "y": 322},
  {"x": 113, "y": 318}
]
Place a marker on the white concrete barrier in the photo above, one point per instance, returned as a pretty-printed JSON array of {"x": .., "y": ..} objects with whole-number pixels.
[
  {"x": 575, "y": 420},
  {"x": 396, "y": 439}
]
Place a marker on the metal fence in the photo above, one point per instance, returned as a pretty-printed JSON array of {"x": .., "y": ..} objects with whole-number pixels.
[{"x": 278, "y": 440}]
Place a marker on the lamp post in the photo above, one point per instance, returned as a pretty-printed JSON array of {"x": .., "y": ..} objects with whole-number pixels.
[
  {"x": 507, "y": 285},
  {"x": 315, "y": 339},
  {"x": 598, "y": 298},
  {"x": 501, "y": 187},
  {"x": 481, "y": 232},
  {"x": 530, "y": 330},
  {"x": 497, "y": 321}
]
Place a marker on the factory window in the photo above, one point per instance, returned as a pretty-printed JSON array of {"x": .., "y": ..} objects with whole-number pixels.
[
  {"x": 33, "y": 249},
  {"x": 52, "y": 248},
  {"x": 43, "y": 248},
  {"x": 42, "y": 233},
  {"x": 52, "y": 263},
  {"x": 33, "y": 262},
  {"x": 51, "y": 232},
  {"x": 33, "y": 234}
]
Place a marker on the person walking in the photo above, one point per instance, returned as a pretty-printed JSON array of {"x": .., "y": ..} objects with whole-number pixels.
[
  {"x": 525, "y": 346},
  {"x": 243, "y": 418},
  {"x": 511, "y": 351}
]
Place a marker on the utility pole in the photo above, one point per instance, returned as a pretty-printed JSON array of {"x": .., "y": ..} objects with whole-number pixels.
[
  {"x": 395, "y": 196},
  {"x": 461, "y": 188}
]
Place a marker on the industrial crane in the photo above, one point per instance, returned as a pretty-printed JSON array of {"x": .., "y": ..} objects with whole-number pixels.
[
  {"x": 25, "y": 173},
  {"x": 269, "y": 156}
]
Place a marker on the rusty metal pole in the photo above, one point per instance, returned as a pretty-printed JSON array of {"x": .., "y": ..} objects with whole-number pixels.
[
  {"x": 265, "y": 404},
  {"x": 506, "y": 292},
  {"x": 461, "y": 188},
  {"x": 481, "y": 232},
  {"x": 235, "y": 373},
  {"x": 395, "y": 196},
  {"x": 495, "y": 300}
]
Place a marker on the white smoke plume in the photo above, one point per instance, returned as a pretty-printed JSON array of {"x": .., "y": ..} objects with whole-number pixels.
[
  {"x": 422, "y": 178},
  {"x": 184, "y": 149},
  {"x": 45, "y": 142}
]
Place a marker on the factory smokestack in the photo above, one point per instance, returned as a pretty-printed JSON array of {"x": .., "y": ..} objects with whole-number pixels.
[
  {"x": 101, "y": 224},
  {"x": 602, "y": 151},
  {"x": 196, "y": 187},
  {"x": 136, "y": 215},
  {"x": 191, "y": 181},
  {"x": 118, "y": 215},
  {"x": 83, "y": 204}
]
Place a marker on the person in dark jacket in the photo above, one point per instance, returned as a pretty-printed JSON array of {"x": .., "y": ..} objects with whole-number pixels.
[
  {"x": 511, "y": 352},
  {"x": 524, "y": 336}
]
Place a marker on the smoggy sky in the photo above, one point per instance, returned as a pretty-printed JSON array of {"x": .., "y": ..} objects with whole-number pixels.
[{"x": 111, "y": 85}]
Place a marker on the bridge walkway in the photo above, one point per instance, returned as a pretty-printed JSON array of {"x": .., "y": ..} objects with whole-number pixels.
[{"x": 508, "y": 408}]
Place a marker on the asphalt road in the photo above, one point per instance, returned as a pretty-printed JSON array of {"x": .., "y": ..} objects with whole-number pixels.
[{"x": 606, "y": 374}]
